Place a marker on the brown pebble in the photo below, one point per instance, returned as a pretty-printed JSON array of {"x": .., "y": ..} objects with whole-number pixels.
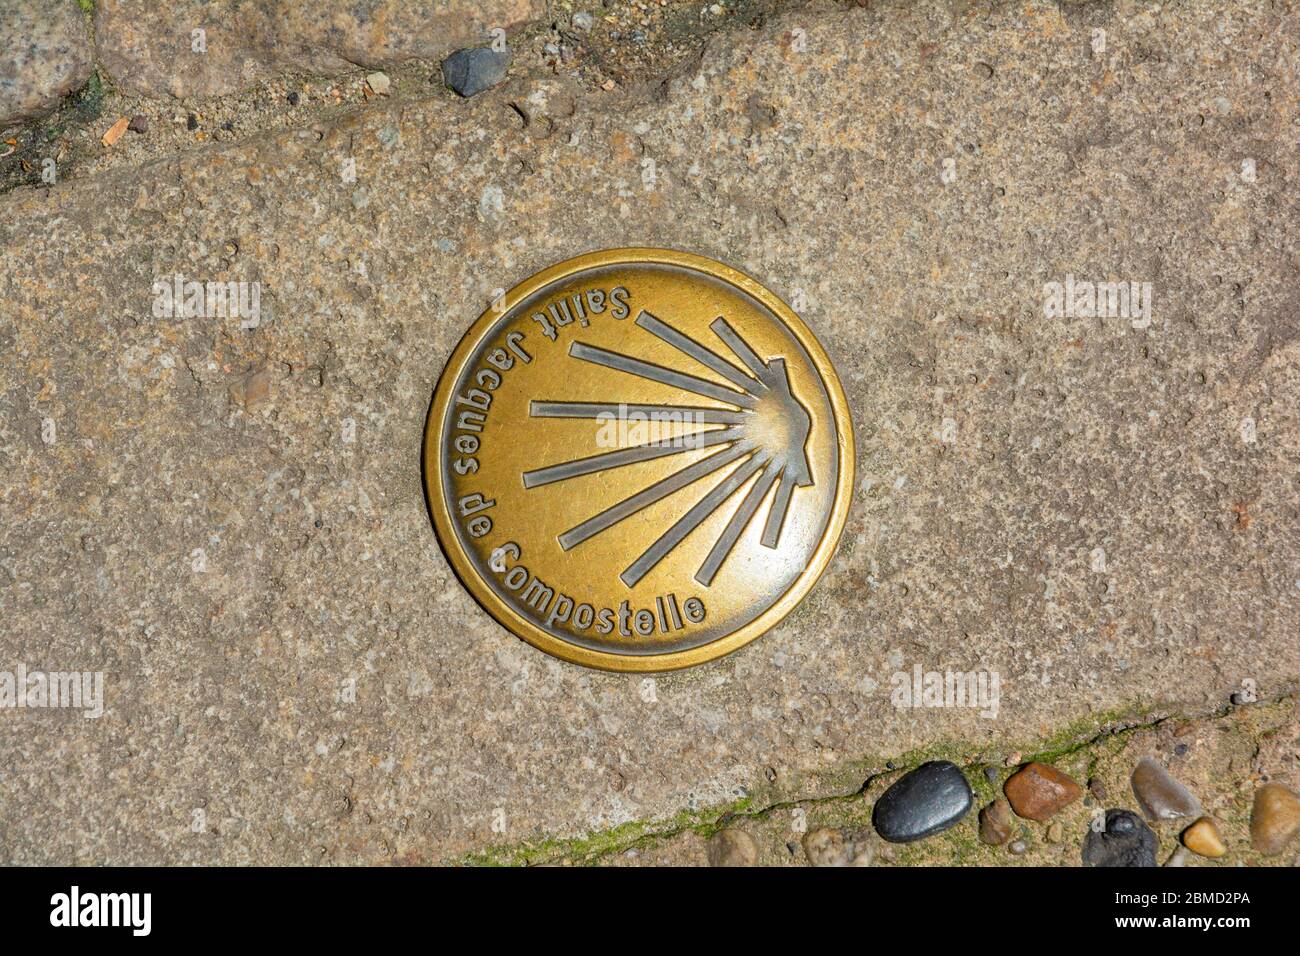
[
  {"x": 1037, "y": 791},
  {"x": 1160, "y": 795},
  {"x": 732, "y": 848},
  {"x": 828, "y": 846},
  {"x": 1203, "y": 837},
  {"x": 115, "y": 132},
  {"x": 1274, "y": 818},
  {"x": 996, "y": 822},
  {"x": 138, "y": 124}
]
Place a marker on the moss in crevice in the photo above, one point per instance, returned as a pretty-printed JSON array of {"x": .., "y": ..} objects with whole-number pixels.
[
  {"x": 1108, "y": 730},
  {"x": 619, "y": 839}
]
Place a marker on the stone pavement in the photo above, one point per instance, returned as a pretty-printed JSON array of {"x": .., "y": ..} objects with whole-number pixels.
[
  {"x": 1223, "y": 758},
  {"x": 198, "y": 48},
  {"x": 226, "y": 517}
]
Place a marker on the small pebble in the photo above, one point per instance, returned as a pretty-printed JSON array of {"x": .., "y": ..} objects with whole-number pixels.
[
  {"x": 191, "y": 122},
  {"x": 1160, "y": 795},
  {"x": 470, "y": 72},
  {"x": 582, "y": 20},
  {"x": 1038, "y": 791},
  {"x": 995, "y": 823},
  {"x": 828, "y": 846},
  {"x": 114, "y": 132},
  {"x": 1056, "y": 832},
  {"x": 1018, "y": 848},
  {"x": 379, "y": 83},
  {"x": 138, "y": 124},
  {"x": 1274, "y": 818},
  {"x": 732, "y": 848},
  {"x": 925, "y": 801},
  {"x": 1203, "y": 837},
  {"x": 1126, "y": 841},
  {"x": 992, "y": 775},
  {"x": 294, "y": 98},
  {"x": 1179, "y": 857},
  {"x": 1097, "y": 787}
]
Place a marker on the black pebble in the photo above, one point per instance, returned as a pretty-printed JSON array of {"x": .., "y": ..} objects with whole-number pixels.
[
  {"x": 469, "y": 72},
  {"x": 928, "y": 800},
  {"x": 294, "y": 98},
  {"x": 1126, "y": 841},
  {"x": 191, "y": 122}
]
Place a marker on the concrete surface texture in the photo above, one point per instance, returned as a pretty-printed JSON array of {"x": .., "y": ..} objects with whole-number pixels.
[{"x": 224, "y": 514}]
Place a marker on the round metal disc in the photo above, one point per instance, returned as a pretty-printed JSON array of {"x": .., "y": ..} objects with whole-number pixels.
[{"x": 639, "y": 460}]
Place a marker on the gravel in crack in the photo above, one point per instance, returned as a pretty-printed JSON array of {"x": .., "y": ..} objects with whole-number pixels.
[{"x": 605, "y": 47}]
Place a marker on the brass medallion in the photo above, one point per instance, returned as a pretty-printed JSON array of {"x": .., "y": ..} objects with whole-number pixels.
[{"x": 639, "y": 460}]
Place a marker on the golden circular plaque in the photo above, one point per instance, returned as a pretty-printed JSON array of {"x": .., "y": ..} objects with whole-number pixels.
[{"x": 639, "y": 460}]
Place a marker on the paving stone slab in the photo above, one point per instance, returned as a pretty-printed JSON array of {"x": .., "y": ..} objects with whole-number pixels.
[
  {"x": 45, "y": 54},
  {"x": 229, "y": 522}
]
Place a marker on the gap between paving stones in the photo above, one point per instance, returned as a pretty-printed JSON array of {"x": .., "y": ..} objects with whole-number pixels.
[{"x": 603, "y": 844}]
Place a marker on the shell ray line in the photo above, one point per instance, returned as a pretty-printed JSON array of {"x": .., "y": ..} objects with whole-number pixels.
[
  {"x": 657, "y": 373},
  {"x": 705, "y": 356},
  {"x": 628, "y": 456},
  {"x": 649, "y": 495},
  {"x": 723, "y": 330},
  {"x": 736, "y": 526},
  {"x": 688, "y": 522},
  {"x": 689, "y": 414}
]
